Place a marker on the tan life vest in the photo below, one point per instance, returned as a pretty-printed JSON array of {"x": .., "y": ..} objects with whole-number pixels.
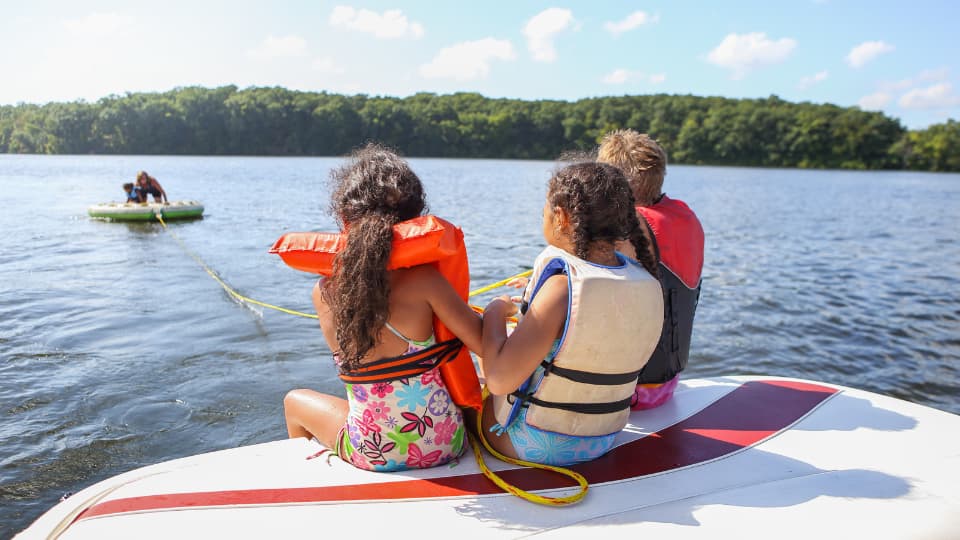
[{"x": 614, "y": 319}]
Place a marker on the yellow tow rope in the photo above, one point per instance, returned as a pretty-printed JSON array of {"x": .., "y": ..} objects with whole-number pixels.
[
  {"x": 500, "y": 283},
  {"x": 226, "y": 287},
  {"x": 514, "y": 490},
  {"x": 501, "y": 483},
  {"x": 249, "y": 300}
]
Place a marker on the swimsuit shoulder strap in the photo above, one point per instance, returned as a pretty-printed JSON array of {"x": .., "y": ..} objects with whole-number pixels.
[
  {"x": 410, "y": 342},
  {"x": 398, "y": 334}
]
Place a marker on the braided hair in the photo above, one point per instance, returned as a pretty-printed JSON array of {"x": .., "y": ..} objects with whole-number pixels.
[
  {"x": 601, "y": 207},
  {"x": 374, "y": 191}
]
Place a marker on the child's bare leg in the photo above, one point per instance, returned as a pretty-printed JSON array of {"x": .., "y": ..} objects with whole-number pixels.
[{"x": 309, "y": 413}]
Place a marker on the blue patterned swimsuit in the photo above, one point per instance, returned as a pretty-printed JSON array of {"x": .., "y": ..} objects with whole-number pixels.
[{"x": 548, "y": 447}]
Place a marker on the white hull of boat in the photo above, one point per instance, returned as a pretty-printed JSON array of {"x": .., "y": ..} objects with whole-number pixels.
[{"x": 755, "y": 457}]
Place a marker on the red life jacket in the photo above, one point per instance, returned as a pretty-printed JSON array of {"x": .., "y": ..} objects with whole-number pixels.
[
  {"x": 422, "y": 240},
  {"x": 678, "y": 240}
]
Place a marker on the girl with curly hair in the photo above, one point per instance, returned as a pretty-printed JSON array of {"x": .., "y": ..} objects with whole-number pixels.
[{"x": 370, "y": 315}]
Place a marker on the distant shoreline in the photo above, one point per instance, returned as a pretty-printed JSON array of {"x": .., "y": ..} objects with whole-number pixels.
[
  {"x": 273, "y": 121},
  {"x": 259, "y": 156}
]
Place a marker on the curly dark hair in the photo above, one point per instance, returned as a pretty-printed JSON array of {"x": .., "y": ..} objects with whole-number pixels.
[
  {"x": 375, "y": 190},
  {"x": 601, "y": 206}
]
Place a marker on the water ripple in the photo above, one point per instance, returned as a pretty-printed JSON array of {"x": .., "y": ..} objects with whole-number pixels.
[{"x": 118, "y": 350}]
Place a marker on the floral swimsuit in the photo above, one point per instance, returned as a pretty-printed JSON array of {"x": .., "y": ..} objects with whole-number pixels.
[{"x": 409, "y": 423}]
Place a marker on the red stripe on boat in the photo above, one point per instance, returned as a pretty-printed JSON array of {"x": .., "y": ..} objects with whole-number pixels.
[{"x": 747, "y": 415}]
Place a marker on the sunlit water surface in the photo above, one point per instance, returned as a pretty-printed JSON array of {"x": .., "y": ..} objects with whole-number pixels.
[{"x": 118, "y": 350}]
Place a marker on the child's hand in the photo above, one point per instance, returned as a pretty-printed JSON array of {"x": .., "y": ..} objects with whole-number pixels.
[
  {"x": 518, "y": 283},
  {"x": 504, "y": 303}
]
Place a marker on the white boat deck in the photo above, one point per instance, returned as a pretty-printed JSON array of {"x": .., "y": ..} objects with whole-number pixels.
[{"x": 755, "y": 457}]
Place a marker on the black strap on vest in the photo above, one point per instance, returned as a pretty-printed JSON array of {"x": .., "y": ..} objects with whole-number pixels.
[
  {"x": 589, "y": 377},
  {"x": 403, "y": 366},
  {"x": 583, "y": 408}
]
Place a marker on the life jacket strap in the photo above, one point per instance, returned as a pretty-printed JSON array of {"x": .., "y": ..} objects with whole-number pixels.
[
  {"x": 403, "y": 366},
  {"x": 582, "y": 408},
  {"x": 589, "y": 377}
]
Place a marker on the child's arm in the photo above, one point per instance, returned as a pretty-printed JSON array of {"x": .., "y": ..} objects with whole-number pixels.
[
  {"x": 456, "y": 314},
  {"x": 324, "y": 317},
  {"x": 507, "y": 361},
  {"x": 163, "y": 194}
]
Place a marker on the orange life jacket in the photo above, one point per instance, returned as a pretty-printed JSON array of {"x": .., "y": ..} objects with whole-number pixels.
[{"x": 421, "y": 240}]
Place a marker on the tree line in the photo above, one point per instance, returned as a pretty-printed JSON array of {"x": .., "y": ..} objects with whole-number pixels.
[{"x": 276, "y": 121}]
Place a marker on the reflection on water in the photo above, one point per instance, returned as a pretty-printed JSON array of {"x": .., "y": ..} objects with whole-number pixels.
[{"x": 117, "y": 350}]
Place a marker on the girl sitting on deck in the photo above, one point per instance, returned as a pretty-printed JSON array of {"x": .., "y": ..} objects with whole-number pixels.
[
  {"x": 373, "y": 317},
  {"x": 561, "y": 383}
]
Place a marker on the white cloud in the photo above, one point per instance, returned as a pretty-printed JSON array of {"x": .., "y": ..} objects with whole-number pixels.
[
  {"x": 634, "y": 20},
  {"x": 925, "y": 76},
  {"x": 938, "y": 96},
  {"x": 468, "y": 60},
  {"x": 938, "y": 74},
  {"x": 867, "y": 51},
  {"x": 807, "y": 82},
  {"x": 898, "y": 86},
  {"x": 541, "y": 30},
  {"x": 326, "y": 64},
  {"x": 279, "y": 47},
  {"x": 620, "y": 76},
  {"x": 617, "y": 76},
  {"x": 391, "y": 24},
  {"x": 98, "y": 25},
  {"x": 875, "y": 101},
  {"x": 742, "y": 53}
]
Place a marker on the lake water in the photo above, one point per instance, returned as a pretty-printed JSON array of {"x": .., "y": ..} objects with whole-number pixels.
[{"x": 117, "y": 350}]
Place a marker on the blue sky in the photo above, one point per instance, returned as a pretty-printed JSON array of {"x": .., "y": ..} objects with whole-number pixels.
[{"x": 902, "y": 58}]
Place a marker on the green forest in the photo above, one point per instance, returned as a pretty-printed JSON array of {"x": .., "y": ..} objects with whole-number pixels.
[{"x": 275, "y": 121}]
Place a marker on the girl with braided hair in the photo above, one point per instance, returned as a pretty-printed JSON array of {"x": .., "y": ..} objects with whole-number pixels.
[
  {"x": 372, "y": 317},
  {"x": 560, "y": 384}
]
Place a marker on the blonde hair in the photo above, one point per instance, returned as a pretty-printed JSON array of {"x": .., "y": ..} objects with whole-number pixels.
[{"x": 640, "y": 158}]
